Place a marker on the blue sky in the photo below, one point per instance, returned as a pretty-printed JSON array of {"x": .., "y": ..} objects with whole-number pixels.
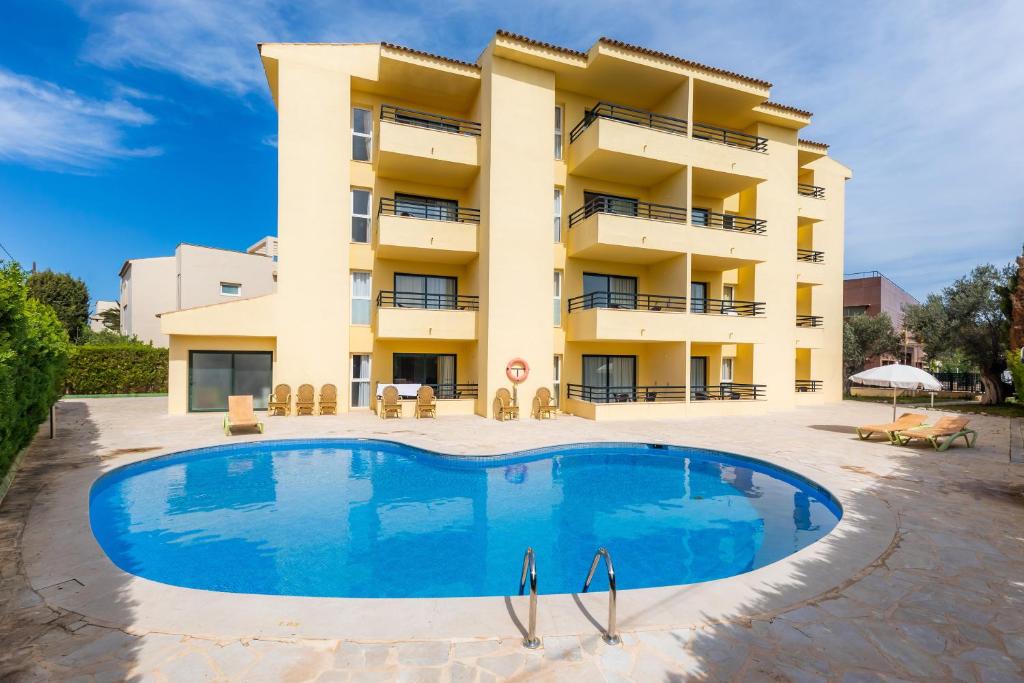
[{"x": 127, "y": 126}]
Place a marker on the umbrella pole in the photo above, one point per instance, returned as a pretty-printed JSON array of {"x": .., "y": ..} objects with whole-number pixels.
[{"x": 894, "y": 404}]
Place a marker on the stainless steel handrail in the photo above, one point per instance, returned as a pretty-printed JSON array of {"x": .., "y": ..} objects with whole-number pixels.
[
  {"x": 611, "y": 636},
  {"x": 531, "y": 641}
]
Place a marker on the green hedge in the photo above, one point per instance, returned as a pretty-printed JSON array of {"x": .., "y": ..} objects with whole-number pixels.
[
  {"x": 1016, "y": 366},
  {"x": 33, "y": 356},
  {"x": 117, "y": 369}
]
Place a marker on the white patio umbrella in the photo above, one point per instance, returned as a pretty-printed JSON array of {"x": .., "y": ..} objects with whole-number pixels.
[{"x": 897, "y": 377}]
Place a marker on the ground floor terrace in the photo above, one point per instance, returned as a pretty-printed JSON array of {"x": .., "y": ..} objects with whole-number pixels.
[{"x": 921, "y": 580}]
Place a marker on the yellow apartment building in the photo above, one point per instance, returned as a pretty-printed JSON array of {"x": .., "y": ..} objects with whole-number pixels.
[{"x": 649, "y": 234}]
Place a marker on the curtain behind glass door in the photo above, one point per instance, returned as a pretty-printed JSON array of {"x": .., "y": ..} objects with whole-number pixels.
[
  {"x": 253, "y": 373},
  {"x": 209, "y": 381}
]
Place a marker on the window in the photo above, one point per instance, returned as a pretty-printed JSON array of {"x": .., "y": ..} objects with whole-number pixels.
[
  {"x": 558, "y": 132},
  {"x": 728, "y": 297},
  {"x": 558, "y": 298},
  {"x": 436, "y": 369},
  {"x": 609, "y": 291},
  {"x": 558, "y": 215},
  {"x": 360, "y": 298},
  {"x": 699, "y": 297},
  {"x": 362, "y": 134},
  {"x": 360, "y": 215},
  {"x": 215, "y": 375},
  {"x": 699, "y": 378},
  {"x": 360, "y": 380},
  {"x": 854, "y": 310},
  {"x": 430, "y": 208},
  {"x": 610, "y": 203},
  {"x": 699, "y": 216},
  {"x": 230, "y": 289},
  {"x": 426, "y": 291},
  {"x": 556, "y": 381},
  {"x": 727, "y": 368},
  {"x": 609, "y": 379}
]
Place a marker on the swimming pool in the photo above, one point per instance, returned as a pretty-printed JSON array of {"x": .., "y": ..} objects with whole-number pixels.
[{"x": 375, "y": 519}]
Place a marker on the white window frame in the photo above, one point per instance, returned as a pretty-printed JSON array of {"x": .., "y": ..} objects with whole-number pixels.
[
  {"x": 557, "y": 311},
  {"x": 361, "y": 380},
  {"x": 231, "y": 284},
  {"x": 368, "y": 215},
  {"x": 368, "y": 136},
  {"x": 353, "y": 298},
  {"x": 556, "y": 382},
  {"x": 558, "y": 214},
  {"x": 559, "y": 130},
  {"x": 728, "y": 362}
]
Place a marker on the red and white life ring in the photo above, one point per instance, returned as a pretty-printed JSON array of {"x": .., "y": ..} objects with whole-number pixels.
[{"x": 517, "y": 370}]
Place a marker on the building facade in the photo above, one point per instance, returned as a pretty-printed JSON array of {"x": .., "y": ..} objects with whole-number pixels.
[
  {"x": 96, "y": 317},
  {"x": 649, "y": 235},
  {"x": 194, "y": 276},
  {"x": 871, "y": 293}
]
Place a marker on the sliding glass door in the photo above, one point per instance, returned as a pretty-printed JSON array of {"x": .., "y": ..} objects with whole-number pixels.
[
  {"x": 609, "y": 378},
  {"x": 609, "y": 291},
  {"x": 215, "y": 375},
  {"x": 426, "y": 291},
  {"x": 435, "y": 369}
]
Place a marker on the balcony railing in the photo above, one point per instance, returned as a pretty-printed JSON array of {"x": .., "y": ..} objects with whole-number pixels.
[
  {"x": 809, "y": 321},
  {"x": 431, "y": 212},
  {"x": 422, "y": 119},
  {"x": 728, "y": 392},
  {"x": 727, "y": 307},
  {"x": 805, "y": 385},
  {"x": 444, "y": 302},
  {"x": 626, "y": 394},
  {"x": 733, "y": 138},
  {"x": 810, "y": 256},
  {"x": 639, "y": 117},
  {"x": 727, "y": 221},
  {"x": 644, "y": 302},
  {"x": 807, "y": 190},
  {"x": 628, "y": 207}
]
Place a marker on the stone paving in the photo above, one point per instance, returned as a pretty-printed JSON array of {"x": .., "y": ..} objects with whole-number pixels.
[{"x": 945, "y": 601}]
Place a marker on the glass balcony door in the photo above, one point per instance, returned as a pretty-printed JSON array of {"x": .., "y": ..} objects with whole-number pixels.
[
  {"x": 609, "y": 379},
  {"x": 215, "y": 375},
  {"x": 426, "y": 291},
  {"x": 429, "y": 208},
  {"x": 626, "y": 206},
  {"x": 609, "y": 291}
]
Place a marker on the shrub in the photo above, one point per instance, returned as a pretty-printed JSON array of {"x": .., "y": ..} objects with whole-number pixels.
[
  {"x": 126, "y": 368},
  {"x": 66, "y": 295},
  {"x": 1016, "y": 366},
  {"x": 33, "y": 356}
]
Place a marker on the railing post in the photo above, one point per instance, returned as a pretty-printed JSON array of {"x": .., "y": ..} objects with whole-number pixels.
[{"x": 531, "y": 641}]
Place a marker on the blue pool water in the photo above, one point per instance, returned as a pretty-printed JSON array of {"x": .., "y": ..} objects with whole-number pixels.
[{"x": 360, "y": 518}]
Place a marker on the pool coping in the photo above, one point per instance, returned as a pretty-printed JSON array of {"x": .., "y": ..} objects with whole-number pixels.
[{"x": 69, "y": 570}]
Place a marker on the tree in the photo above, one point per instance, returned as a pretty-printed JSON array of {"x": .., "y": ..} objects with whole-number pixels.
[
  {"x": 1012, "y": 296},
  {"x": 111, "y": 319},
  {"x": 66, "y": 295},
  {"x": 967, "y": 316},
  {"x": 865, "y": 337}
]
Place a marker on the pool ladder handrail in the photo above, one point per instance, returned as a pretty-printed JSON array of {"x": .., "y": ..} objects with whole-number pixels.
[
  {"x": 531, "y": 641},
  {"x": 611, "y": 636}
]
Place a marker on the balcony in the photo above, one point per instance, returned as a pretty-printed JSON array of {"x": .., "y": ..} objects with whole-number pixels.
[
  {"x": 808, "y": 385},
  {"x": 808, "y": 190},
  {"x": 627, "y": 231},
  {"x": 622, "y": 144},
  {"x": 728, "y": 392},
  {"x": 429, "y": 148},
  {"x": 617, "y": 316},
  {"x": 727, "y": 307},
  {"x": 723, "y": 321},
  {"x": 419, "y": 315},
  {"x": 727, "y": 221},
  {"x": 810, "y": 256},
  {"x": 413, "y": 231},
  {"x": 625, "y": 394},
  {"x": 809, "y": 321}
]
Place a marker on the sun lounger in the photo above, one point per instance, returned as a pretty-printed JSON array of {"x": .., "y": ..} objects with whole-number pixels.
[
  {"x": 240, "y": 415},
  {"x": 905, "y": 421},
  {"x": 941, "y": 434}
]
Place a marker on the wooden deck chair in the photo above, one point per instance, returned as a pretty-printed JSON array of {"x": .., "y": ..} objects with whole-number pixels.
[
  {"x": 390, "y": 402},
  {"x": 542, "y": 405},
  {"x": 240, "y": 415},
  {"x": 505, "y": 407},
  {"x": 889, "y": 429},
  {"x": 426, "y": 404},
  {"x": 940, "y": 435},
  {"x": 280, "y": 402},
  {"x": 328, "y": 400},
  {"x": 304, "y": 400}
]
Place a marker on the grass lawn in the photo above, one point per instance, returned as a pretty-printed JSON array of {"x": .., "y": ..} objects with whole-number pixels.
[{"x": 1004, "y": 410}]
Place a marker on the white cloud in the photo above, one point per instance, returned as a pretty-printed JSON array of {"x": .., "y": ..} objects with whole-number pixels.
[{"x": 48, "y": 126}]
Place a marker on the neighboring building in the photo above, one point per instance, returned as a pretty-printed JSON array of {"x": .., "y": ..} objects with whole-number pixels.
[
  {"x": 438, "y": 219},
  {"x": 95, "y": 318},
  {"x": 194, "y": 276},
  {"x": 871, "y": 293}
]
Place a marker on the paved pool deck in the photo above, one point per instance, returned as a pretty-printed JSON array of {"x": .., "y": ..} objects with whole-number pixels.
[{"x": 922, "y": 580}]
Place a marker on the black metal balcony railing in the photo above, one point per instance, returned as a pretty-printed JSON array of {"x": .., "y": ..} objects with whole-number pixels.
[
  {"x": 733, "y": 138},
  {"x": 809, "y": 321},
  {"x": 810, "y": 255},
  {"x": 450, "y": 391},
  {"x": 727, "y": 307},
  {"x": 451, "y": 302},
  {"x": 639, "y": 117},
  {"x": 804, "y": 385},
  {"x": 422, "y": 119},
  {"x": 628, "y": 207},
  {"x": 727, "y": 221},
  {"x": 428, "y": 211},
  {"x": 730, "y": 391},
  {"x": 807, "y": 190},
  {"x": 626, "y": 394},
  {"x": 623, "y": 300}
]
